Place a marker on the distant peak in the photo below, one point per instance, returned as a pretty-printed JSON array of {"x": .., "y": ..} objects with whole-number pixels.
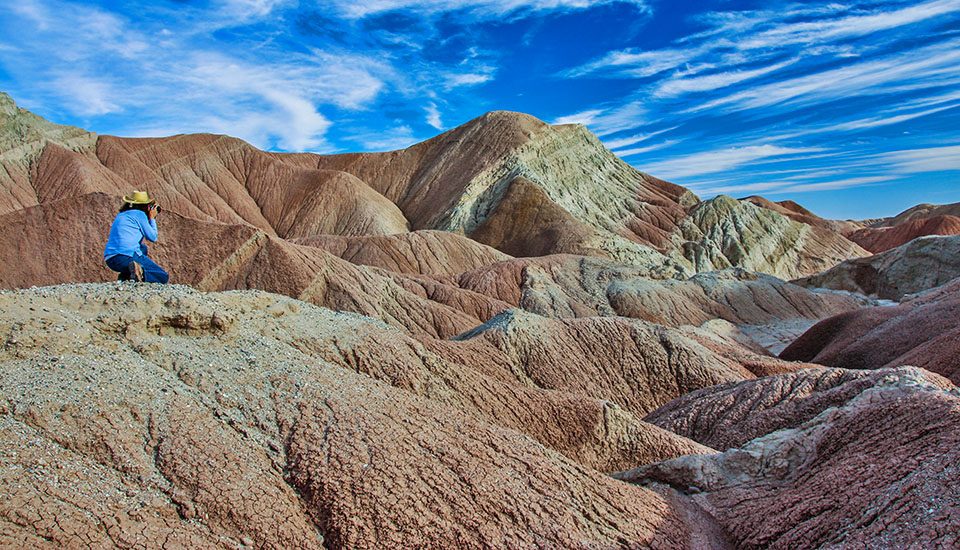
[
  {"x": 723, "y": 200},
  {"x": 510, "y": 118},
  {"x": 510, "y": 115},
  {"x": 793, "y": 206}
]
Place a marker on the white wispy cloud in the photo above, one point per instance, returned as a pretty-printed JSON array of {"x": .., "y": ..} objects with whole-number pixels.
[
  {"x": 88, "y": 95},
  {"x": 740, "y": 22},
  {"x": 878, "y": 121},
  {"x": 399, "y": 137},
  {"x": 646, "y": 149},
  {"x": 627, "y": 141},
  {"x": 709, "y": 162},
  {"x": 786, "y": 186},
  {"x": 679, "y": 85},
  {"x": 780, "y": 55},
  {"x": 96, "y": 62},
  {"x": 934, "y": 99},
  {"x": 928, "y": 66},
  {"x": 433, "y": 116},
  {"x": 487, "y": 8},
  {"x": 458, "y": 80},
  {"x": 583, "y": 117},
  {"x": 930, "y": 159},
  {"x": 763, "y": 31},
  {"x": 828, "y": 30},
  {"x": 606, "y": 121},
  {"x": 246, "y": 9},
  {"x": 637, "y": 63},
  {"x": 833, "y": 185},
  {"x": 32, "y": 10}
]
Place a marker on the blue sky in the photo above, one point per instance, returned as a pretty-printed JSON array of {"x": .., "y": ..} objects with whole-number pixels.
[{"x": 850, "y": 108}]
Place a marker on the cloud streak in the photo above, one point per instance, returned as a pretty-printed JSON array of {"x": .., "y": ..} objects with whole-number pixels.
[
  {"x": 482, "y": 8},
  {"x": 98, "y": 63},
  {"x": 679, "y": 85},
  {"x": 711, "y": 162},
  {"x": 929, "y": 159},
  {"x": 433, "y": 116},
  {"x": 935, "y": 64}
]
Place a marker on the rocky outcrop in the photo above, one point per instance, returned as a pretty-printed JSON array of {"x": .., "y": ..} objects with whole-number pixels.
[
  {"x": 133, "y": 414},
  {"x": 525, "y": 222},
  {"x": 652, "y": 364},
  {"x": 724, "y": 232},
  {"x": 753, "y": 310},
  {"x": 878, "y": 470},
  {"x": 216, "y": 256},
  {"x": 922, "y": 331},
  {"x": 919, "y": 265},
  {"x": 404, "y": 280}
]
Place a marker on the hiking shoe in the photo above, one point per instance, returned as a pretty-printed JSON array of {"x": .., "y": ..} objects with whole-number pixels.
[{"x": 135, "y": 272}]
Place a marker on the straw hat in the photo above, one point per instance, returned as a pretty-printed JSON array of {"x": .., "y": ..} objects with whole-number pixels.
[{"x": 138, "y": 197}]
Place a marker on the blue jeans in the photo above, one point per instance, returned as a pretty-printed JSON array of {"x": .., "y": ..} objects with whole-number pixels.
[{"x": 152, "y": 273}]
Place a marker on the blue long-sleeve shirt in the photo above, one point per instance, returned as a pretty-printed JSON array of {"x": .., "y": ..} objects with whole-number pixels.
[{"x": 128, "y": 231}]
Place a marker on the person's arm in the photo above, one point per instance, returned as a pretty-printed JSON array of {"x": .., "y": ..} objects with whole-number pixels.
[{"x": 148, "y": 227}]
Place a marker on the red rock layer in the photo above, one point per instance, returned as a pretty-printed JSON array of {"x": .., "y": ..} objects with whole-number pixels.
[
  {"x": 414, "y": 253},
  {"x": 879, "y": 239},
  {"x": 796, "y": 212},
  {"x": 225, "y": 179},
  {"x": 729, "y": 415},
  {"x": 879, "y": 470},
  {"x": 924, "y": 332},
  {"x": 922, "y": 211}
]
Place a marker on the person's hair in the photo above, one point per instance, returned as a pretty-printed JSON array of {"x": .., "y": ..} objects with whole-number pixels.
[{"x": 141, "y": 207}]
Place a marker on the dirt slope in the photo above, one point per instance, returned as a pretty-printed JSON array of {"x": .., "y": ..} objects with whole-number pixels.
[{"x": 139, "y": 413}]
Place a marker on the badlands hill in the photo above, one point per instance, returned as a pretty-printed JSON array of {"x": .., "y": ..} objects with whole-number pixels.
[
  {"x": 505, "y": 180},
  {"x": 918, "y": 265},
  {"x": 503, "y": 337},
  {"x": 135, "y": 415},
  {"x": 910, "y": 225},
  {"x": 923, "y": 330}
]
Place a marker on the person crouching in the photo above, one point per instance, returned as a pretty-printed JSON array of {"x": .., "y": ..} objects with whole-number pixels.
[{"x": 126, "y": 252}]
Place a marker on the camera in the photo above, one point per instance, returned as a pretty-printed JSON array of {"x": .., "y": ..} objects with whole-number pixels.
[{"x": 157, "y": 208}]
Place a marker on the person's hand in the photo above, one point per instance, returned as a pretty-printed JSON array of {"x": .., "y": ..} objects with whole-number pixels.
[{"x": 152, "y": 211}]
